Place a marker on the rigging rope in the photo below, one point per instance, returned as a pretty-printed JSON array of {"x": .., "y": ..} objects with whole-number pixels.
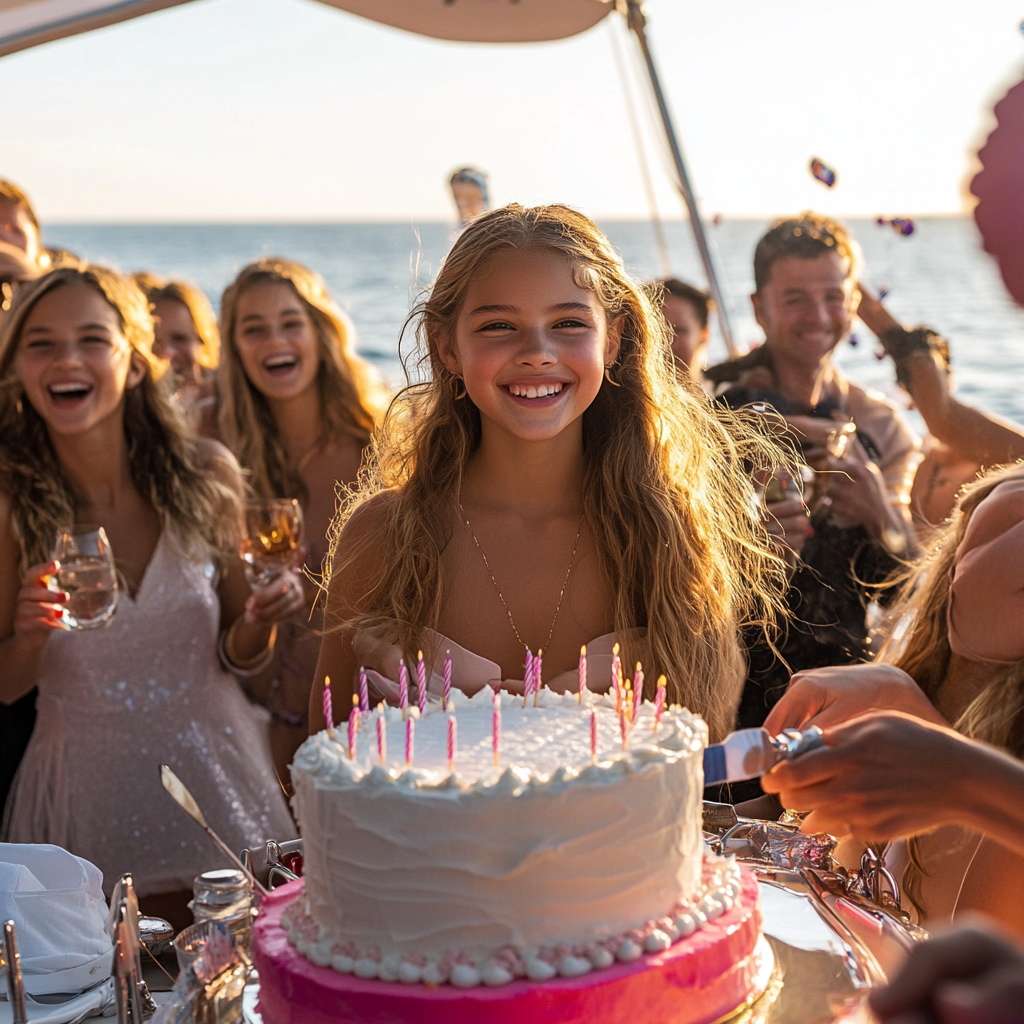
[{"x": 638, "y": 142}]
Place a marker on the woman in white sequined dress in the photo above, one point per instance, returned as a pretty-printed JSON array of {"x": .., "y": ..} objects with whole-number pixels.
[{"x": 88, "y": 435}]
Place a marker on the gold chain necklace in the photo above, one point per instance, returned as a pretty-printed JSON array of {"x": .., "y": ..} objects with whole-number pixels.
[{"x": 501, "y": 598}]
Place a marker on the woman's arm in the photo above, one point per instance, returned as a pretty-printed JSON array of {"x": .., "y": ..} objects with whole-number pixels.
[
  {"x": 973, "y": 435},
  {"x": 886, "y": 776},
  {"x": 28, "y": 612},
  {"x": 248, "y": 617}
]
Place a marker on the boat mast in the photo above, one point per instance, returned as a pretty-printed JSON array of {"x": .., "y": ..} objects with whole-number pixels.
[{"x": 637, "y": 22}]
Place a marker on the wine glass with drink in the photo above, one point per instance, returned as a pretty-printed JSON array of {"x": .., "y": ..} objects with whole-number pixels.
[
  {"x": 273, "y": 533},
  {"x": 86, "y": 572}
]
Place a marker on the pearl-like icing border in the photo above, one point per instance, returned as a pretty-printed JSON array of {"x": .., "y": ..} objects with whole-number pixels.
[{"x": 462, "y": 969}]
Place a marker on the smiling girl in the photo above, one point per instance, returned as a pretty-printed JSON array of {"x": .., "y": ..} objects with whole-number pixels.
[
  {"x": 186, "y": 335},
  {"x": 550, "y": 486},
  {"x": 88, "y": 435},
  {"x": 296, "y": 407}
]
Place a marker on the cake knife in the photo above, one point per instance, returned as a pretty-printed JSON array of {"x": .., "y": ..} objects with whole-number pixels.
[
  {"x": 184, "y": 799},
  {"x": 749, "y": 753}
]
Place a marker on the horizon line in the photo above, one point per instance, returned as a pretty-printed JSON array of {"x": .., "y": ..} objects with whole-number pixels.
[{"x": 59, "y": 222}]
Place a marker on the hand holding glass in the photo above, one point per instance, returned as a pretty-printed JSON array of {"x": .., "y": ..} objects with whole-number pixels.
[
  {"x": 273, "y": 535},
  {"x": 87, "y": 573}
]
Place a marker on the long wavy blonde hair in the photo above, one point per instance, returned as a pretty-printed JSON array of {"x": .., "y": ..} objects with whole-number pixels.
[
  {"x": 165, "y": 463},
  {"x": 666, "y": 491},
  {"x": 922, "y": 650},
  {"x": 352, "y": 397}
]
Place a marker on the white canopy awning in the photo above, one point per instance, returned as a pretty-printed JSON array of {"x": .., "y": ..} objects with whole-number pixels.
[{"x": 25, "y": 23}]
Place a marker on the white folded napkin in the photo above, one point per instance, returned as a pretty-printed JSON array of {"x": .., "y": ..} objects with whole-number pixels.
[{"x": 56, "y": 902}]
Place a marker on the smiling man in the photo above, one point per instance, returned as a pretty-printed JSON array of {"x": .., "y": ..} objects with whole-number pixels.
[{"x": 857, "y": 524}]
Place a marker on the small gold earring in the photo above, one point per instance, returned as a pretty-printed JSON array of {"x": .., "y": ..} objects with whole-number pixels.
[
  {"x": 608, "y": 376},
  {"x": 455, "y": 381}
]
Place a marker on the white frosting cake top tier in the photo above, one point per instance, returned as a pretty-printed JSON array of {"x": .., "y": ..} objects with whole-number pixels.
[{"x": 546, "y": 848}]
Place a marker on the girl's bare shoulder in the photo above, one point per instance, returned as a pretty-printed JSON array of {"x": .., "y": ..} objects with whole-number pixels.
[{"x": 367, "y": 526}]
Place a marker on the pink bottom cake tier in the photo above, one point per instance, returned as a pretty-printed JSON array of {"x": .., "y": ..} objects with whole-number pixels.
[{"x": 698, "y": 980}]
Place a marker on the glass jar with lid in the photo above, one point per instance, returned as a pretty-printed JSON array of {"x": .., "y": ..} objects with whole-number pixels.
[{"x": 224, "y": 895}]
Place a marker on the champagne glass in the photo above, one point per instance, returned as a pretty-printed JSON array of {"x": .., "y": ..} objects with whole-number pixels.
[
  {"x": 87, "y": 573},
  {"x": 273, "y": 534}
]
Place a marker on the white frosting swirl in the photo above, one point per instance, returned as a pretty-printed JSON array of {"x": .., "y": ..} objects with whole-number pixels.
[{"x": 543, "y": 850}]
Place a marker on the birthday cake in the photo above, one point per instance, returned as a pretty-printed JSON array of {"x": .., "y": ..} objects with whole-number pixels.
[{"x": 538, "y": 860}]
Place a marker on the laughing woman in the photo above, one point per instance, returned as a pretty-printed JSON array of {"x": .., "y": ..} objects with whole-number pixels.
[
  {"x": 297, "y": 408},
  {"x": 88, "y": 435}
]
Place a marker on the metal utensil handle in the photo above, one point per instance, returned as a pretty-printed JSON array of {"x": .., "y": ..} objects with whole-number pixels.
[
  {"x": 15, "y": 981},
  {"x": 233, "y": 857},
  {"x": 794, "y": 742}
]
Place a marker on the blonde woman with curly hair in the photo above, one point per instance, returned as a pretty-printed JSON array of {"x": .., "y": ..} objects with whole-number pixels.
[
  {"x": 88, "y": 435},
  {"x": 297, "y": 407},
  {"x": 552, "y": 484},
  {"x": 900, "y": 763}
]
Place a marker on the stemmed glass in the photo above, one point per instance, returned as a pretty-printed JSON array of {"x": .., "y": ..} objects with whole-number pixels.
[
  {"x": 273, "y": 534},
  {"x": 88, "y": 574}
]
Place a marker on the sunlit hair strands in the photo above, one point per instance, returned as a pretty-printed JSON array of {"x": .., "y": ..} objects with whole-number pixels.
[
  {"x": 165, "y": 463},
  {"x": 666, "y": 490},
  {"x": 921, "y": 647},
  {"x": 352, "y": 398}
]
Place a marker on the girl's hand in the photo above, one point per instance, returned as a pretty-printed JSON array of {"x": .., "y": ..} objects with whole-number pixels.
[
  {"x": 882, "y": 776},
  {"x": 278, "y": 600},
  {"x": 971, "y": 975},
  {"x": 788, "y": 523},
  {"x": 39, "y": 609},
  {"x": 829, "y": 696}
]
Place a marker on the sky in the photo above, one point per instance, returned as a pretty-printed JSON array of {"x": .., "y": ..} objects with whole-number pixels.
[{"x": 288, "y": 110}]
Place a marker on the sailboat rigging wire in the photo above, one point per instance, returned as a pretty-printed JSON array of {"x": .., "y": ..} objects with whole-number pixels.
[
  {"x": 637, "y": 21},
  {"x": 641, "y": 153}
]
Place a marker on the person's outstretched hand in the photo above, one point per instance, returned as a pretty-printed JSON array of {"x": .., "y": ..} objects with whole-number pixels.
[
  {"x": 880, "y": 777},
  {"x": 970, "y": 975},
  {"x": 829, "y": 696}
]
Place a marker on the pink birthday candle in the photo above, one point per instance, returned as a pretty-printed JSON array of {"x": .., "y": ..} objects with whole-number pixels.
[
  {"x": 528, "y": 678},
  {"x": 624, "y": 727},
  {"x": 410, "y": 725},
  {"x": 659, "y": 701},
  {"x": 593, "y": 737},
  {"x": 328, "y": 711},
  {"x": 353, "y": 725},
  {"x": 364, "y": 694},
  {"x": 382, "y": 738},
  {"x": 447, "y": 679},
  {"x": 538, "y": 666},
  {"x": 403, "y": 687},
  {"x": 638, "y": 690},
  {"x": 616, "y": 677},
  {"x": 496, "y": 728},
  {"x": 583, "y": 675},
  {"x": 452, "y": 729},
  {"x": 421, "y": 679}
]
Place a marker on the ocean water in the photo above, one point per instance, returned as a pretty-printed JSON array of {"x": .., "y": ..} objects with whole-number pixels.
[{"x": 938, "y": 276}]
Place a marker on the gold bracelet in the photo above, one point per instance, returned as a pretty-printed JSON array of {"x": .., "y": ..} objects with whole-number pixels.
[{"x": 258, "y": 661}]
